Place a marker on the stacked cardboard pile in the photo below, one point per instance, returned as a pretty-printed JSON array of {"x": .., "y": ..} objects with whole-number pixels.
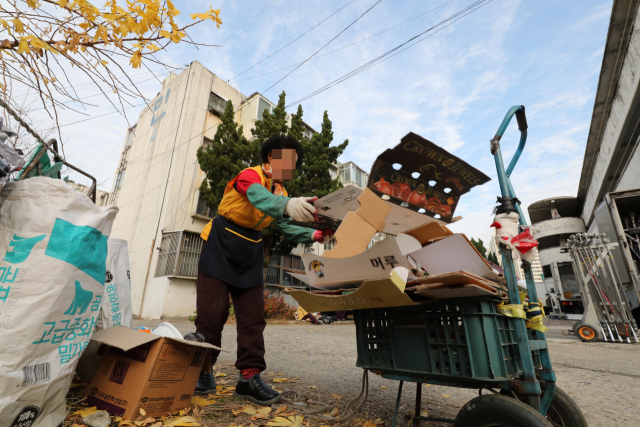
[{"x": 422, "y": 259}]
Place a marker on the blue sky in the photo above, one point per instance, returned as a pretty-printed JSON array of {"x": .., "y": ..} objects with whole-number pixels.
[{"x": 452, "y": 88}]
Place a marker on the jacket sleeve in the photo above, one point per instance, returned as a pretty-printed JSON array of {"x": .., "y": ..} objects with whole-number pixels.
[
  {"x": 266, "y": 202},
  {"x": 295, "y": 233}
]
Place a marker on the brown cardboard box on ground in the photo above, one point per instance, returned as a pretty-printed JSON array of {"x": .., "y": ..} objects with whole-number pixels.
[{"x": 141, "y": 370}]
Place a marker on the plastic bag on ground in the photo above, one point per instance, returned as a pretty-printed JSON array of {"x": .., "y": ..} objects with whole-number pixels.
[{"x": 53, "y": 251}]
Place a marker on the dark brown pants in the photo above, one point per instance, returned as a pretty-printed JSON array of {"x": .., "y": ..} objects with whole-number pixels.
[{"x": 213, "y": 310}]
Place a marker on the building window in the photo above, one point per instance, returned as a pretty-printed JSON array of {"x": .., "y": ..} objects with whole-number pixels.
[
  {"x": 217, "y": 104},
  {"x": 203, "y": 209},
  {"x": 308, "y": 133},
  {"x": 295, "y": 263},
  {"x": 179, "y": 254},
  {"x": 119, "y": 180},
  {"x": 130, "y": 136},
  {"x": 263, "y": 105}
]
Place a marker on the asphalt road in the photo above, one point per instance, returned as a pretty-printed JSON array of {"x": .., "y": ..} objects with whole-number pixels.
[{"x": 602, "y": 378}]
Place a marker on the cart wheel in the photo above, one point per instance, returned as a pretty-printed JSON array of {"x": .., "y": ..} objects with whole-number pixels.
[
  {"x": 587, "y": 333},
  {"x": 563, "y": 411},
  {"x": 494, "y": 410},
  {"x": 576, "y": 326}
]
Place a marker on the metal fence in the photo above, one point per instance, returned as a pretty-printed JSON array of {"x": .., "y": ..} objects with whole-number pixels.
[{"x": 179, "y": 254}]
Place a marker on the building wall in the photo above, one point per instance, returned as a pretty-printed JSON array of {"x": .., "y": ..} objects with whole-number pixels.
[
  {"x": 102, "y": 197},
  {"x": 617, "y": 123}
]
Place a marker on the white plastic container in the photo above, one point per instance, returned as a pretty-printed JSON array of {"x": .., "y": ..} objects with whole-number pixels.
[{"x": 166, "y": 329}]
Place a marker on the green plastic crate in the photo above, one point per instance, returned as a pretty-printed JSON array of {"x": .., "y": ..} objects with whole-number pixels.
[{"x": 451, "y": 339}]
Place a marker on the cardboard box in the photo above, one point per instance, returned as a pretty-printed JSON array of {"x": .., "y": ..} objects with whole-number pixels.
[
  {"x": 423, "y": 177},
  {"x": 358, "y": 228},
  {"x": 386, "y": 292},
  {"x": 140, "y": 370}
]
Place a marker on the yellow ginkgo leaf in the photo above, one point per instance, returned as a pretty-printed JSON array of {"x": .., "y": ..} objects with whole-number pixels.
[
  {"x": 446, "y": 396},
  {"x": 220, "y": 374},
  {"x": 183, "y": 422},
  {"x": 136, "y": 59},
  {"x": 200, "y": 401},
  {"x": 279, "y": 422},
  {"x": 265, "y": 410},
  {"x": 18, "y": 24},
  {"x": 336, "y": 396},
  {"x": 384, "y": 386},
  {"x": 86, "y": 411},
  {"x": 334, "y": 412},
  {"x": 249, "y": 410},
  {"x": 152, "y": 47},
  {"x": 23, "y": 47},
  {"x": 368, "y": 424},
  {"x": 423, "y": 414},
  {"x": 279, "y": 380}
]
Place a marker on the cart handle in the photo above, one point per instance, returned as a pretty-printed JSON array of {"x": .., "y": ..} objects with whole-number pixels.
[{"x": 518, "y": 111}]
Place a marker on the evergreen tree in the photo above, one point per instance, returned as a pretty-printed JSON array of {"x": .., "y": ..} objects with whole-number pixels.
[
  {"x": 479, "y": 245},
  {"x": 228, "y": 153},
  {"x": 493, "y": 258}
]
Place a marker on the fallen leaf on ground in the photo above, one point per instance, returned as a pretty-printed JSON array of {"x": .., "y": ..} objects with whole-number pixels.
[
  {"x": 296, "y": 420},
  {"x": 279, "y": 422},
  {"x": 333, "y": 412},
  {"x": 249, "y": 410},
  {"x": 265, "y": 410},
  {"x": 304, "y": 357},
  {"x": 86, "y": 411},
  {"x": 288, "y": 414},
  {"x": 219, "y": 374},
  {"x": 78, "y": 425},
  {"x": 126, "y": 423},
  {"x": 184, "y": 422},
  {"x": 446, "y": 396},
  {"x": 279, "y": 380},
  {"x": 424, "y": 413},
  {"x": 368, "y": 424},
  {"x": 231, "y": 364},
  {"x": 280, "y": 410},
  {"x": 279, "y": 373},
  {"x": 146, "y": 421},
  {"x": 336, "y": 396},
  {"x": 200, "y": 401},
  {"x": 237, "y": 412},
  {"x": 312, "y": 386},
  {"x": 259, "y": 416},
  {"x": 384, "y": 386}
]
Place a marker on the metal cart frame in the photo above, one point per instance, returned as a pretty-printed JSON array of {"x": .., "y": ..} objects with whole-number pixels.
[{"x": 529, "y": 383}]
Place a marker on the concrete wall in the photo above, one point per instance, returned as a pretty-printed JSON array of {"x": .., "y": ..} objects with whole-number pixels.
[
  {"x": 547, "y": 256},
  {"x": 630, "y": 179},
  {"x": 617, "y": 123},
  {"x": 559, "y": 226}
]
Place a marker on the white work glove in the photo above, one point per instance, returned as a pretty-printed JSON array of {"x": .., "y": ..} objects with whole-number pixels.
[{"x": 299, "y": 209}]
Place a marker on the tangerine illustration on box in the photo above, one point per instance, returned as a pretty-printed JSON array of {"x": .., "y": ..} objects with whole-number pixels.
[{"x": 419, "y": 175}]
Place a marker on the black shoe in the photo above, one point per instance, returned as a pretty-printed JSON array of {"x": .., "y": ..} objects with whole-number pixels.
[
  {"x": 256, "y": 391},
  {"x": 206, "y": 384},
  {"x": 194, "y": 336}
]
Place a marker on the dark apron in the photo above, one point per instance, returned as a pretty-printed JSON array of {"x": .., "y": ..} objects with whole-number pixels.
[{"x": 233, "y": 254}]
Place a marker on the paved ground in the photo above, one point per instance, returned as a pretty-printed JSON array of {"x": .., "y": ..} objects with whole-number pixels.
[{"x": 602, "y": 378}]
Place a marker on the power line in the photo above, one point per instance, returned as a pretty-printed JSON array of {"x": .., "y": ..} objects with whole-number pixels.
[
  {"x": 389, "y": 54},
  {"x": 346, "y": 46},
  {"x": 292, "y": 41},
  {"x": 327, "y": 44}
]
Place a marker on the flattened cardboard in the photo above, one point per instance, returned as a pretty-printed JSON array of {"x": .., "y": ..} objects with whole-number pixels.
[
  {"x": 434, "y": 164},
  {"x": 452, "y": 253},
  {"x": 427, "y": 233},
  {"x": 387, "y": 292},
  {"x": 442, "y": 291},
  {"x": 140, "y": 370},
  {"x": 453, "y": 278},
  {"x": 358, "y": 228},
  {"x": 339, "y": 203},
  {"x": 375, "y": 263}
]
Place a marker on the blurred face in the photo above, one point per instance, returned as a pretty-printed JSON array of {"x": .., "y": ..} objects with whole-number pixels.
[{"x": 283, "y": 163}]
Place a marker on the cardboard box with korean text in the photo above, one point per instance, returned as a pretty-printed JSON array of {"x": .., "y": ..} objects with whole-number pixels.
[{"x": 140, "y": 370}]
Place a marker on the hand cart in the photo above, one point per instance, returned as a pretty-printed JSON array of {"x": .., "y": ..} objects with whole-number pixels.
[{"x": 464, "y": 343}]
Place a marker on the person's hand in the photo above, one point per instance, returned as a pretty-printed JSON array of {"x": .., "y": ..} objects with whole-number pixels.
[
  {"x": 323, "y": 236},
  {"x": 299, "y": 209}
]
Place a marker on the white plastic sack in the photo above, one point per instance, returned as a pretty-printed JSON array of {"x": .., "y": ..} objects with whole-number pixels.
[
  {"x": 116, "y": 303},
  {"x": 53, "y": 251}
]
